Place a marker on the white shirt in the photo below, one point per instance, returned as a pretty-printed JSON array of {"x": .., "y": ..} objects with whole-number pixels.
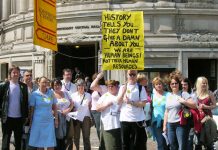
[
  {"x": 110, "y": 116},
  {"x": 82, "y": 109},
  {"x": 68, "y": 87},
  {"x": 63, "y": 103},
  {"x": 96, "y": 96},
  {"x": 14, "y": 110},
  {"x": 128, "y": 112}
]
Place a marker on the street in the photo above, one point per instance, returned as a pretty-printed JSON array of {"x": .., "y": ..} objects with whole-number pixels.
[{"x": 94, "y": 141}]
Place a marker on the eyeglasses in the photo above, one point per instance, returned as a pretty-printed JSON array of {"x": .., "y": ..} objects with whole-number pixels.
[
  {"x": 175, "y": 83},
  {"x": 132, "y": 75}
]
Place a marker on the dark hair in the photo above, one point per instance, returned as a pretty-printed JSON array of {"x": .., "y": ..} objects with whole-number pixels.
[
  {"x": 29, "y": 71},
  {"x": 186, "y": 80},
  {"x": 12, "y": 68},
  {"x": 176, "y": 78},
  {"x": 66, "y": 70},
  {"x": 55, "y": 81}
]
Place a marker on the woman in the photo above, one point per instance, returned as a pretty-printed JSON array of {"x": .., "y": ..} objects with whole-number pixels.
[
  {"x": 64, "y": 106},
  {"x": 186, "y": 87},
  {"x": 110, "y": 116},
  {"x": 131, "y": 114},
  {"x": 82, "y": 103},
  {"x": 158, "y": 104},
  {"x": 42, "y": 123},
  {"x": 177, "y": 133},
  {"x": 99, "y": 88},
  {"x": 206, "y": 102}
]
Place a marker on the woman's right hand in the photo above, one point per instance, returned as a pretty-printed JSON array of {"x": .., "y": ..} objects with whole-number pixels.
[{"x": 100, "y": 75}]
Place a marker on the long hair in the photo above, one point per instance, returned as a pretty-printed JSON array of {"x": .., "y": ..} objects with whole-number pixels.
[
  {"x": 186, "y": 80},
  {"x": 198, "y": 85}
]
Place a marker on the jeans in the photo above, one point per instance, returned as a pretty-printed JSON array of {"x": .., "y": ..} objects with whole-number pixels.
[
  {"x": 177, "y": 135},
  {"x": 97, "y": 115},
  {"x": 15, "y": 125},
  {"x": 133, "y": 136},
  {"x": 85, "y": 126},
  {"x": 157, "y": 131},
  {"x": 190, "y": 139}
]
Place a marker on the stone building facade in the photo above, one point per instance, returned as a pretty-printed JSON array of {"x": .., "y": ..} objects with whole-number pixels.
[{"x": 180, "y": 34}]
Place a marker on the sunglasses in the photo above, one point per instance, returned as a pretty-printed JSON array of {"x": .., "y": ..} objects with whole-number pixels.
[{"x": 132, "y": 75}]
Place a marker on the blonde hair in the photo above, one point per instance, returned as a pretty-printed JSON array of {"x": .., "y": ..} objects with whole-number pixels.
[
  {"x": 198, "y": 85},
  {"x": 157, "y": 80},
  {"x": 112, "y": 82},
  {"x": 141, "y": 76}
]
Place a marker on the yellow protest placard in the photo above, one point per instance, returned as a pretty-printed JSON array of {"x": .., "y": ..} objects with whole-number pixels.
[
  {"x": 45, "y": 24},
  {"x": 123, "y": 40}
]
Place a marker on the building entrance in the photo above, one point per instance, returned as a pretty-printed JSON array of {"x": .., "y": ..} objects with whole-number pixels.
[
  {"x": 82, "y": 56},
  {"x": 203, "y": 67}
]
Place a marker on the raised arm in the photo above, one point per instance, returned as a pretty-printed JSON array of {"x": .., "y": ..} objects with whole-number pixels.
[{"x": 95, "y": 86}]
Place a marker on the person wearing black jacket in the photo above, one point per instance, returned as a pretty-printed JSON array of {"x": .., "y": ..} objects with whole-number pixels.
[{"x": 14, "y": 108}]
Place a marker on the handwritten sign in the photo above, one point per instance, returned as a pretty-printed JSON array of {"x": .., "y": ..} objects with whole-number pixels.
[
  {"x": 123, "y": 40},
  {"x": 45, "y": 24}
]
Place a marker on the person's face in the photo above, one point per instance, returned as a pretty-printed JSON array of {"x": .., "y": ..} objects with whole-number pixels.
[
  {"x": 81, "y": 88},
  {"x": 113, "y": 89},
  {"x": 43, "y": 83},
  {"x": 184, "y": 86},
  {"x": 174, "y": 85},
  {"x": 67, "y": 76},
  {"x": 204, "y": 85},
  {"x": 15, "y": 74},
  {"x": 131, "y": 75},
  {"x": 158, "y": 86},
  {"x": 144, "y": 82},
  {"x": 57, "y": 87},
  {"x": 27, "y": 77}
]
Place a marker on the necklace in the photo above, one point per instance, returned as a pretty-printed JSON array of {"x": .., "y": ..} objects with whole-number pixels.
[{"x": 65, "y": 86}]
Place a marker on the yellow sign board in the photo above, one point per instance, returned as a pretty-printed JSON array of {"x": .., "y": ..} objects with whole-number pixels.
[
  {"x": 45, "y": 24},
  {"x": 123, "y": 40}
]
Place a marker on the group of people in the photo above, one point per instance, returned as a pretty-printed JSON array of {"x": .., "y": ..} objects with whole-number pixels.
[{"x": 53, "y": 116}]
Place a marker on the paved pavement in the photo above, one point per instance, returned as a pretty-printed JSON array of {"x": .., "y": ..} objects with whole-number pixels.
[{"x": 94, "y": 141}]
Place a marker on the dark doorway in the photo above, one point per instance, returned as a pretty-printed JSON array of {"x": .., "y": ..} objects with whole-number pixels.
[
  {"x": 4, "y": 71},
  {"x": 203, "y": 67},
  {"x": 81, "y": 56}
]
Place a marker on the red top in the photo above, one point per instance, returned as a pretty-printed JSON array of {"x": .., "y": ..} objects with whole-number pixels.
[{"x": 205, "y": 101}]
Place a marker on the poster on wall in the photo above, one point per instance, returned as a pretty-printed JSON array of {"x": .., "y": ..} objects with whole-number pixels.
[{"x": 123, "y": 40}]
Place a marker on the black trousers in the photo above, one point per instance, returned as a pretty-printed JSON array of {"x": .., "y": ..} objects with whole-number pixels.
[
  {"x": 133, "y": 136},
  {"x": 15, "y": 125}
]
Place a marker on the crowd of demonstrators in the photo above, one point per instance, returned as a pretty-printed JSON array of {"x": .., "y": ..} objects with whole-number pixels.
[{"x": 57, "y": 111}]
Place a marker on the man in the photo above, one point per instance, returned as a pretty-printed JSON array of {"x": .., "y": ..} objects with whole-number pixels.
[
  {"x": 70, "y": 88},
  {"x": 27, "y": 79},
  {"x": 14, "y": 107},
  {"x": 67, "y": 85},
  {"x": 131, "y": 114}
]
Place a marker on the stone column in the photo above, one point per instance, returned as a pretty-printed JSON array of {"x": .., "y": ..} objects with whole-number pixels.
[
  {"x": 23, "y": 6},
  {"x": 6, "y": 5},
  {"x": 31, "y": 5}
]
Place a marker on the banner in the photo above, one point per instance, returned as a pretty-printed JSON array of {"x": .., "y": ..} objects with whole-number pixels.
[
  {"x": 123, "y": 40},
  {"x": 45, "y": 24}
]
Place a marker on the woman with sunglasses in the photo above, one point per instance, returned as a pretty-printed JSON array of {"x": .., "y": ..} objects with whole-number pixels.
[
  {"x": 110, "y": 115},
  {"x": 132, "y": 114},
  {"x": 177, "y": 133}
]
